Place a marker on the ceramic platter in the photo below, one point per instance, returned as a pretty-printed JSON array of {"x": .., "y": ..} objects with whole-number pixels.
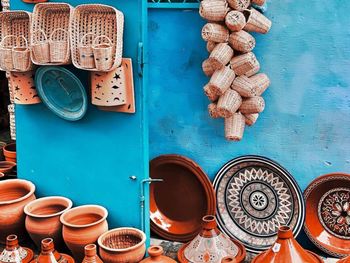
[
  {"x": 327, "y": 221},
  {"x": 254, "y": 197}
]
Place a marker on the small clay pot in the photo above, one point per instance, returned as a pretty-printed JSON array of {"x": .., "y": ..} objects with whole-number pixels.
[
  {"x": 122, "y": 245},
  {"x": 6, "y": 167},
  {"x": 14, "y": 253},
  {"x": 43, "y": 219},
  {"x": 14, "y": 195},
  {"x": 156, "y": 256},
  {"x": 91, "y": 254},
  {"x": 10, "y": 152},
  {"x": 49, "y": 254},
  {"x": 83, "y": 225}
]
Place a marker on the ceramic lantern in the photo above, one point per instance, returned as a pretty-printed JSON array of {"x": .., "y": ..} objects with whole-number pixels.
[{"x": 23, "y": 88}]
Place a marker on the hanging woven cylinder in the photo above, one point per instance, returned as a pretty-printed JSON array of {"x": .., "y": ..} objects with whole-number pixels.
[
  {"x": 252, "y": 105},
  {"x": 210, "y": 46},
  {"x": 229, "y": 103},
  {"x": 220, "y": 56},
  {"x": 250, "y": 119},
  {"x": 244, "y": 86},
  {"x": 207, "y": 68},
  {"x": 242, "y": 41},
  {"x": 235, "y": 20},
  {"x": 215, "y": 32},
  {"x": 239, "y": 4},
  {"x": 213, "y": 111},
  {"x": 222, "y": 80},
  {"x": 256, "y": 22},
  {"x": 261, "y": 82},
  {"x": 245, "y": 64},
  {"x": 210, "y": 93},
  {"x": 213, "y": 10},
  {"x": 258, "y": 2},
  {"x": 234, "y": 127}
]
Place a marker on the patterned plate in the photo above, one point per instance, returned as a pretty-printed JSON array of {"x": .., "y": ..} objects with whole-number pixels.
[{"x": 254, "y": 197}]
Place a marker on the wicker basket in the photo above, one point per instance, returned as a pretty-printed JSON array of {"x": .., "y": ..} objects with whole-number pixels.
[
  {"x": 215, "y": 32},
  {"x": 221, "y": 80},
  {"x": 11, "y": 95},
  {"x": 244, "y": 86},
  {"x": 6, "y": 47},
  {"x": 242, "y": 41},
  {"x": 234, "y": 127},
  {"x": 229, "y": 103},
  {"x": 103, "y": 53},
  {"x": 49, "y": 33},
  {"x": 220, "y": 56},
  {"x": 210, "y": 46},
  {"x": 261, "y": 82},
  {"x": 235, "y": 20},
  {"x": 21, "y": 54},
  {"x": 250, "y": 119},
  {"x": 256, "y": 22},
  {"x": 213, "y": 10},
  {"x": 102, "y": 20},
  {"x": 258, "y": 2},
  {"x": 86, "y": 53},
  {"x": 213, "y": 111},
  {"x": 252, "y": 105},
  {"x": 11, "y": 110},
  {"x": 239, "y": 5},
  {"x": 245, "y": 64},
  {"x": 212, "y": 96},
  {"x": 207, "y": 68}
]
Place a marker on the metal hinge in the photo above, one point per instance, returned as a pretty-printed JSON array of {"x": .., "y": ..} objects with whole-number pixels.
[{"x": 140, "y": 61}]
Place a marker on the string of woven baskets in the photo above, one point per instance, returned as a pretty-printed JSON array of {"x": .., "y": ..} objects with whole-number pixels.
[{"x": 235, "y": 87}]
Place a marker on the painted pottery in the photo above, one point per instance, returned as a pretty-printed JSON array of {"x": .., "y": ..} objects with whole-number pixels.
[
  {"x": 178, "y": 204},
  {"x": 210, "y": 245},
  {"x": 14, "y": 253},
  {"x": 43, "y": 219},
  {"x": 10, "y": 152},
  {"x": 49, "y": 254},
  {"x": 23, "y": 87},
  {"x": 14, "y": 195},
  {"x": 83, "y": 225},
  {"x": 254, "y": 197},
  {"x": 156, "y": 256},
  {"x": 327, "y": 222},
  {"x": 91, "y": 254},
  {"x": 286, "y": 249},
  {"x": 122, "y": 245},
  {"x": 6, "y": 166}
]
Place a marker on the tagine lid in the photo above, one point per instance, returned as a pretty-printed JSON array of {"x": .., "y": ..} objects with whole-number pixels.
[
  {"x": 327, "y": 222},
  {"x": 48, "y": 254},
  {"x": 13, "y": 250}
]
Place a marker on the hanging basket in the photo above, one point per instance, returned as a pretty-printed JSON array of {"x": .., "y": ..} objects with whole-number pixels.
[
  {"x": 239, "y": 5},
  {"x": 234, "y": 127},
  {"x": 215, "y": 32},
  {"x": 21, "y": 55},
  {"x": 213, "y": 10},
  {"x": 256, "y": 22},
  {"x": 6, "y": 46},
  {"x": 86, "y": 53},
  {"x": 40, "y": 48},
  {"x": 59, "y": 46},
  {"x": 220, "y": 56},
  {"x": 245, "y": 64},
  {"x": 261, "y": 82},
  {"x": 221, "y": 80},
  {"x": 212, "y": 96},
  {"x": 103, "y": 52},
  {"x": 235, "y": 20},
  {"x": 244, "y": 86},
  {"x": 242, "y": 41},
  {"x": 229, "y": 103},
  {"x": 252, "y": 105},
  {"x": 213, "y": 111}
]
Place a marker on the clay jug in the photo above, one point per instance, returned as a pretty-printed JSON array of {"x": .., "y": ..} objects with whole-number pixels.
[
  {"x": 13, "y": 253},
  {"x": 91, "y": 254},
  {"x": 156, "y": 256},
  {"x": 286, "y": 250},
  {"x": 48, "y": 254}
]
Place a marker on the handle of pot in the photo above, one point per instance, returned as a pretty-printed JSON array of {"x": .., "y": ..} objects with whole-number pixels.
[
  {"x": 18, "y": 43},
  {"x": 84, "y": 37},
  {"x": 101, "y": 37},
  {"x": 42, "y": 32},
  {"x": 3, "y": 40}
]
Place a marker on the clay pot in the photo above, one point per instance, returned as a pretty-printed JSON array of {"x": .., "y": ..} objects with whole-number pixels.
[
  {"x": 48, "y": 254},
  {"x": 2, "y": 145},
  {"x": 83, "y": 225},
  {"x": 122, "y": 245},
  {"x": 6, "y": 167},
  {"x": 156, "y": 256},
  {"x": 91, "y": 254},
  {"x": 13, "y": 253},
  {"x": 344, "y": 260},
  {"x": 43, "y": 218},
  {"x": 14, "y": 195},
  {"x": 286, "y": 249},
  {"x": 10, "y": 152}
]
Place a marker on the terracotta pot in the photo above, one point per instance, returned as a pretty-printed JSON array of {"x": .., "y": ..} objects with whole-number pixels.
[
  {"x": 43, "y": 218},
  {"x": 83, "y": 225},
  {"x": 91, "y": 254},
  {"x": 13, "y": 253},
  {"x": 2, "y": 145},
  {"x": 14, "y": 195},
  {"x": 48, "y": 254},
  {"x": 156, "y": 256},
  {"x": 6, "y": 167},
  {"x": 286, "y": 249},
  {"x": 10, "y": 152},
  {"x": 344, "y": 260},
  {"x": 122, "y": 245}
]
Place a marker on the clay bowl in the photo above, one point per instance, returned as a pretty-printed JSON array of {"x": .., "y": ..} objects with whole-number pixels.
[
  {"x": 83, "y": 225},
  {"x": 14, "y": 195},
  {"x": 10, "y": 152},
  {"x": 43, "y": 219},
  {"x": 122, "y": 245},
  {"x": 6, "y": 166}
]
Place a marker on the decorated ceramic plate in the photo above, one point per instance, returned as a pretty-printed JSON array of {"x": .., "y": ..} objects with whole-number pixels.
[
  {"x": 178, "y": 204},
  {"x": 327, "y": 221},
  {"x": 255, "y": 196}
]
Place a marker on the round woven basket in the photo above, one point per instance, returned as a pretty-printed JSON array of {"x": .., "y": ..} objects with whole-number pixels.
[
  {"x": 221, "y": 80},
  {"x": 234, "y": 127},
  {"x": 59, "y": 46},
  {"x": 235, "y": 20},
  {"x": 242, "y": 41},
  {"x": 245, "y": 64},
  {"x": 103, "y": 53},
  {"x": 239, "y": 5},
  {"x": 244, "y": 86},
  {"x": 229, "y": 103},
  {"x": 21, "y": 54},
  {"x": 210, "y": 46},
  {"x": 220, "y": 56},
  {"x": 207, "y": 68},
  {"x": 215, "y": 32},
  {"x": 261, "y": 82},
  {"x": 213, "y": 111},
  {"x": 250, "y": 119},
  {"x": 213, "y": 10},
  {"x": 210, "y": 93},
  {"x": 256, "y": 22},
  {"x": 252, "y": 105},
  {"x": 41, "y": 47}
]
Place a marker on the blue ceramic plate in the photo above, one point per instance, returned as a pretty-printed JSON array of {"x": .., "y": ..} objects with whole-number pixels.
[{"x": 62, "y": 92}]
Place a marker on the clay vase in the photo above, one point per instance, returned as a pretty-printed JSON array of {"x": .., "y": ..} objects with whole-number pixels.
[
  {"x": 10, "y": 152},
  {"x": 156, "y": 256},
  {"x": 286, "y": 249},
  {"x": 83, "y": 225},
  {"x": 13, "y": 253},
  {"x": 43, "y": 219},
  {"x": 211, "y": 245},
  {"x": 122, "y": 245},
  {"x": 14, "y": 195},
  {"x": 6, "y": 166},
  {"x": 48, "y": 254},
  {"x": 91, "y": 254}
]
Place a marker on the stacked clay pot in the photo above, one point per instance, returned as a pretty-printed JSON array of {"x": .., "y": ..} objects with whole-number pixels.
[{"x": 235, "y": 87}]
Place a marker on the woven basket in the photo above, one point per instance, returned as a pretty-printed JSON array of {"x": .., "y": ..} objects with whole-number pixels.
[
  {"x": 244, "y": 86},
  {"x": 6, "y": 47},
  {"x": 252, "y": 105},
  {"x": 103, "y": 53},
  {"x": 258, "y": 2},
  {"x": 239, "y": 5},
  {"x": 229, "y": 103},
  {"x": 242, "y": 41},
  {"x": 261, "y": 82},
  {"x": 256, "y": 22},
  {"x": 212, "y": 110},
  {"x": 212, "y": 96},
  {"x": 220, "y": 56},
  {"x": 59, "y": 46},
  {"x": 250, "y": 119},
  {"x": 11, "y": 95},
  {"x": 11, "y": 110},
  {"x": 40, "y": 47},
  {"x": 213, "y": 10},
  {"x": 210, "y": 46},
  {"x": 221, "y": 80},
  {"x": 235, "y": 20},
  {"x": 215, "y": 32},
  {"x": 86, "y": 53},
  {"x": 245, "y": 64},
  {"x": 207, "y": 68},
  {"x": 102, "y": 20},
  {"x": 21, "y": 55},
  {"x": 234, "y": 127}
]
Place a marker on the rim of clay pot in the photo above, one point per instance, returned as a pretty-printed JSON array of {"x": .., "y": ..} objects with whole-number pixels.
[
  {"x": 9, "y": 164},
  {"x": 101, "y": 245},
  {"x": 58, "y": 200},
  {"x": 2, "y": 175},
  {"x": 101, "y": 211},
  {"x": 9, "y": 146},
  {"x": 24, "y": 183}
]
